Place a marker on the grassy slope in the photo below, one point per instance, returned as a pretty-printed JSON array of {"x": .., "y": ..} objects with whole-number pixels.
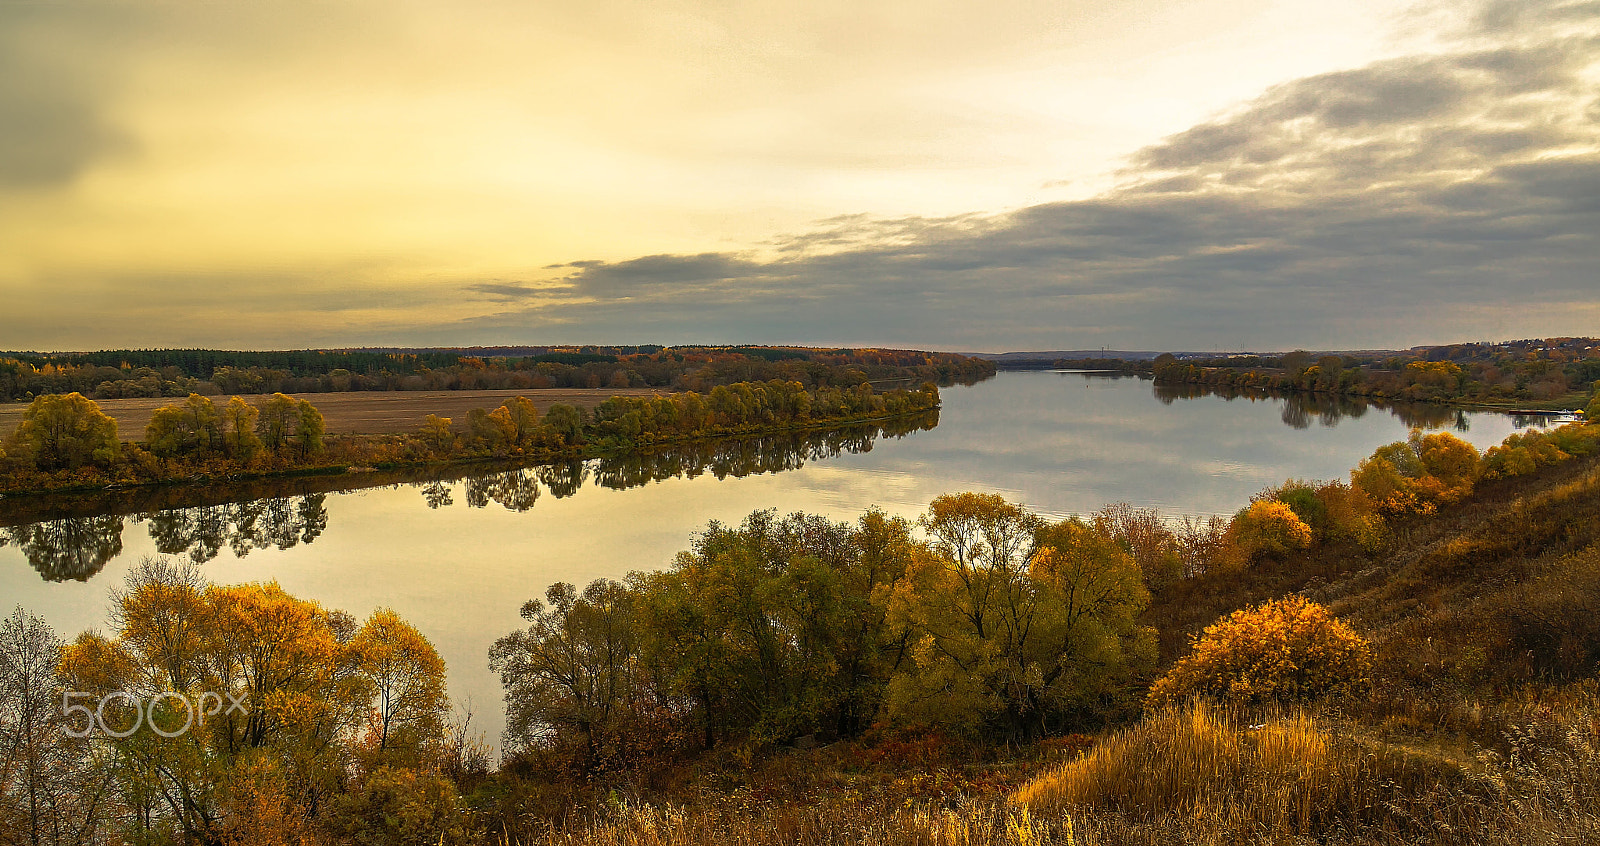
[{"x": 1483, "y": 725}]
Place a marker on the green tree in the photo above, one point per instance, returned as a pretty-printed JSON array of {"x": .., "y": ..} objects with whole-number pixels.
[
  {"x": 66, "y": 431},
  {"x": 566, "y": 421},
  {"x": 569, "y": 676},
  {"x": 1015, "y": 626}
]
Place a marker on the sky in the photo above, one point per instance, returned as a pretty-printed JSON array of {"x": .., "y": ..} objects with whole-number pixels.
[{"x": 935, "y": 174}]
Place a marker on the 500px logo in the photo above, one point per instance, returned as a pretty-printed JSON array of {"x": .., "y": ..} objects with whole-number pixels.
[{"x": 144, "y": 710}]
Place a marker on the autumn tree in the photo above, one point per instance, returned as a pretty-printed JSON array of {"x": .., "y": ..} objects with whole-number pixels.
[
  {"x": 1418, "y": 474},
  {"x": 407, "y": 676},
  {"x": 308, "y": 429},
  {"x": 193, "y": 427},
  {"x": 239, "y": 438},
  {"x": 288, "y": 687},
  {"x": 522, "y": 420},
  {"x": 1285, "y": 650},
  {"x": 1269, "y": 528},
  {"x": 279, "y": 415},
  {"x": 65, "y": 431},
  {"x": 436, "y": 432},
  {"x": 1014, "y": 624},
  {"x": 490, "y": 430}
]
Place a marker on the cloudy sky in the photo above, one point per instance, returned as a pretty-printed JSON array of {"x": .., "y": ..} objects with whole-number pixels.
[{"x": 949, "y": 174}]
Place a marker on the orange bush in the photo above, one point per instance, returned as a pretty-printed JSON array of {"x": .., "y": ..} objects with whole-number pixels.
[
  {"x": 1268, "y": 527},
  {"x": 1283, "y": 650}
]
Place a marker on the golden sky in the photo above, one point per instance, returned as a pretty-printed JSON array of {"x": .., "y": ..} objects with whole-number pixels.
[{"x": 959, "y": 175}]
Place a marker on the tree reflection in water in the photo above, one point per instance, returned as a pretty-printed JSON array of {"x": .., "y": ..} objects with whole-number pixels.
[
  {"x": 1300, "y": 410},
  {"x": 202, "y": 531},
  {"x": 69, "y": 548},
  {"x": 517, "y": 489}
]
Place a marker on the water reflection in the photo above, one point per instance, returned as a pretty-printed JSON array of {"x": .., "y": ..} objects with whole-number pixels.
[
  {"x": 1300, "y": 410},
  {"x": 73, "y": 536},
  {"x": 69, "y": 548},
  {"x": 202, "y": 531}
]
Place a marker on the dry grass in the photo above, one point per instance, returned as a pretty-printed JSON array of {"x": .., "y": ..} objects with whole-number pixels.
[{"x": 1204, "y": 777}]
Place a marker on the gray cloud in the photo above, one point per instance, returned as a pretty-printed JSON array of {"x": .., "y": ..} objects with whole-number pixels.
[
  {"x": 1425, "y": 198},
  {"x": 53, "y": 101}
]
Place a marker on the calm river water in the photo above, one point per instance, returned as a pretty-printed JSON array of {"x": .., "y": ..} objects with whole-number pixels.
[{"x": 457, "y": 554}]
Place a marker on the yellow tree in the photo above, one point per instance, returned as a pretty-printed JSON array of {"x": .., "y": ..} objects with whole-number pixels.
[
  {"x": 1418, "y": 474},
  {"x": 407, "y": 677},
  {"x": 437, "y": 433},
  {"x": 66, "y": 431},
  {"x": 191, "y": 427},
  {"x": 522, "y": 420},
  {"x": 279, "y": 414},
  {"x": 223, "y": 673},
  {"x": 1268, "y": 527},
  {"x": 239, "y": 430},
  {"x": 309, "y": 428}
]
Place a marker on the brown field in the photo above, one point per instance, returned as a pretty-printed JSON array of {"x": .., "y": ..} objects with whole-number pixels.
[{"x": 364, "y": 412}]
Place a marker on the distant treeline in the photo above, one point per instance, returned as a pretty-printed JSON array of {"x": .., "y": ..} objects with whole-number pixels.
[
  {"x": 1536, "y": 370},
  {"x": 66, "y": 440},
  {"x": 156, "y": 373}
]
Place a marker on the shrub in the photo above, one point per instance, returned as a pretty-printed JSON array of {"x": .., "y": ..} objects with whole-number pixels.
[
  {"x": 399, "y": 806},
  {"x": 1523, "y": 453},
  {"x": 1419, "y": 474},
  {"x": 1268, "y": 527},
  {"x": 1283, "y": 650}
]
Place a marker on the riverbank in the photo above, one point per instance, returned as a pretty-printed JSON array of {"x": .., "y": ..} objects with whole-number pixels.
[{"x": 353, "y": 454}]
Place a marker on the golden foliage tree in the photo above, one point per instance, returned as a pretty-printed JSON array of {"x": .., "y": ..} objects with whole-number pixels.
[
  {"x": 407, "y": 675},
  {"x": 436, "y": 432},
  {"x": 1268, "y": 527},
  {"x": 239, "y": 438},
  {"x": 1283, "y": 650},
  {"x": 276, "y": 424},
  {"x": 1419, "y": 474},
  {"x": 66, "y": 431},
  {"x": 258, "y": 699},
  {"x": 522, "y": 421}
]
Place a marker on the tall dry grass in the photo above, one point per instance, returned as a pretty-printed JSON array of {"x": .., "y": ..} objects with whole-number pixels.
[{"x": 1201, "y": 774}]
